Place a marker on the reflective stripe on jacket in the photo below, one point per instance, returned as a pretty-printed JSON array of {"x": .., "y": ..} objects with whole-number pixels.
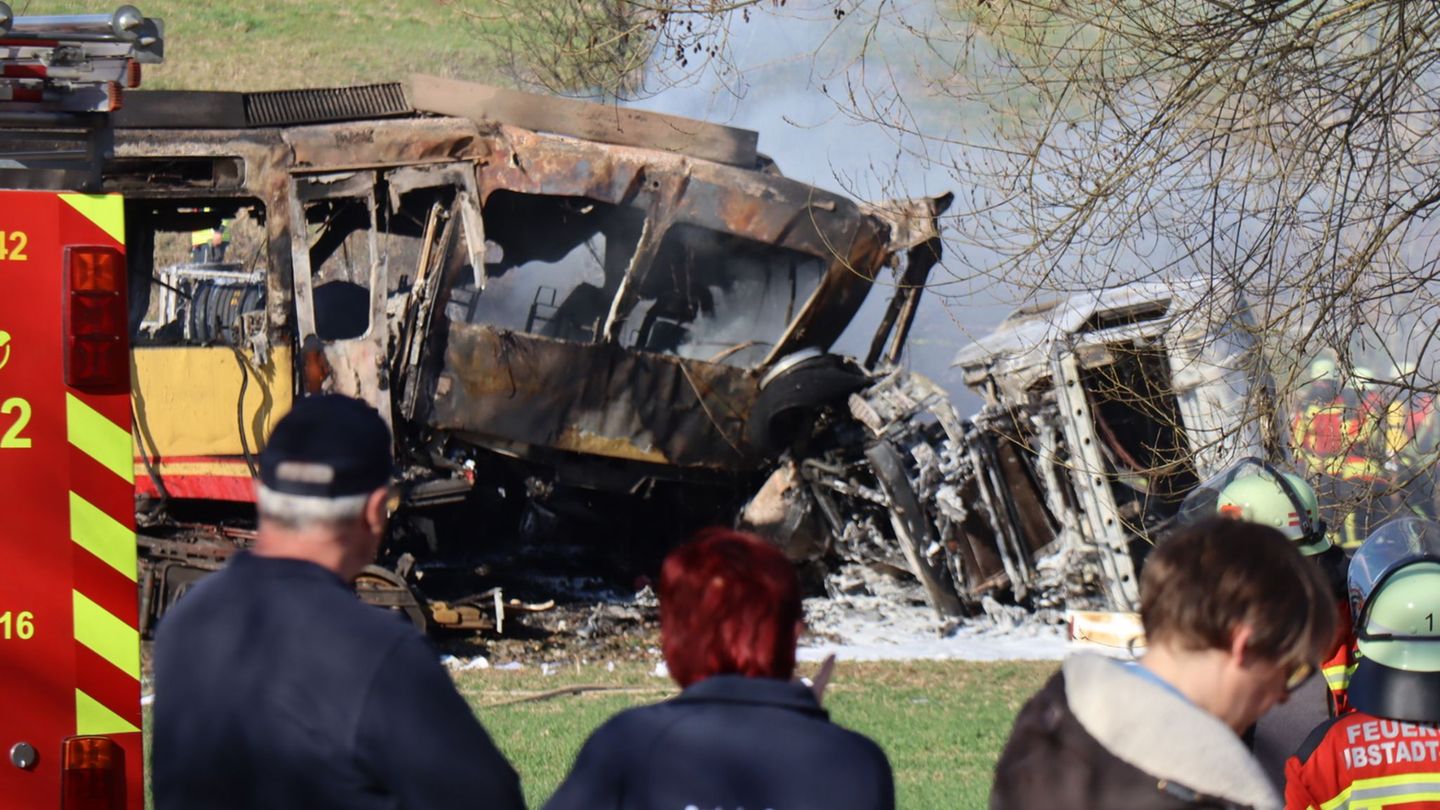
[{"x": 1361, "y": 761}]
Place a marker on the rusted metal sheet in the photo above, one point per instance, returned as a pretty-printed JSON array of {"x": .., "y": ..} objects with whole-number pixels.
[
  {"x": 593, "y": 398},
  {"x": 394, "y": 142},
  {"x": 606, "y": 123},
  {"x": 762, "y": 208}
]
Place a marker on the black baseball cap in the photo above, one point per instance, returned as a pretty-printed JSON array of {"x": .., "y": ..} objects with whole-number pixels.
[{"x": 328, "y": 446}]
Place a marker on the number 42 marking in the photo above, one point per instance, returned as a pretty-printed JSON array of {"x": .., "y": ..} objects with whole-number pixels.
[{"x": 12, "y": 246}]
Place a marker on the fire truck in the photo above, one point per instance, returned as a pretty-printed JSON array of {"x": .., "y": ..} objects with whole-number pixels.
[{"x": 70, "y": 713}]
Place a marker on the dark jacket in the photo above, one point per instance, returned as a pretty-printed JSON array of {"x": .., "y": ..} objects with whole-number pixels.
[
  {"x": 1099, "y": 735},
  {"x": 1280, "y": 731},
  {"x": 276, "y": 688},
  {"x": 728, "y": 742}
]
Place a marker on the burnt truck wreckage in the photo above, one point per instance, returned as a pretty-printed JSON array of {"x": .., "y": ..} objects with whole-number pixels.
[
  {"x": 1101, "y": 412},
  {"x": 560, "y": 308}
]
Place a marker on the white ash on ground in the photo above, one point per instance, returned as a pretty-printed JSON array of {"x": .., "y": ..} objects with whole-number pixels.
[
  {"x": 870, "y": 616},
  {"x": 867, "y": 616}
]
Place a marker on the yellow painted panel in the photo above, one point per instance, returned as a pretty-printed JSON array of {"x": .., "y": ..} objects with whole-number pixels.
[
  {"x": 105, "y": 210},
  {"x": 214, "y": 469},
  {"x": 94, "y": 717},
  {"x": 107, "y": 635},
  {"x": 187, "y": 399},
  {"x": 98, "y": 437},
  {"x": 102, "y": 535}
]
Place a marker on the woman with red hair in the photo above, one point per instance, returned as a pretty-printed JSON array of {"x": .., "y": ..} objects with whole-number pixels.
[{"x": 741, "y": 734}]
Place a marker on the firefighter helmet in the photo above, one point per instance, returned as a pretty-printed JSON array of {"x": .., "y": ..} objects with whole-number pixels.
[
  {"x": 1322, "y": 369},
  {"x": 1395, "y": 597},
  {"x": 1251, "y": 489},
  {"x": 1394, "y": 544},
  {"x": 1362, "y": 379}
]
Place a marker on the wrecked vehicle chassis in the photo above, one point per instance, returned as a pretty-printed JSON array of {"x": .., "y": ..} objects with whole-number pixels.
[{"x": 570, "y": 334}]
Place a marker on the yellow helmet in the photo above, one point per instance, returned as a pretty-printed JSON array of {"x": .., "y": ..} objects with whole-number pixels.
[
  {"x": 1395, "y": 598},
  {"x": 1251, "y": 489}
]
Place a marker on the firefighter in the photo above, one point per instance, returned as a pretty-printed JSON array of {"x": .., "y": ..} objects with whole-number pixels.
[
  {"x": 208, "y": 246},
  {"x": 1333, "y": 428},
  {"x": 1315, "y": 428},
  {"x": 1234, "y": 619},
  {"x": 1385, "y": 753},
  {"x": 1257, "y": 491},
  {"x": 276, "y": 688},
  {"x": 1252, "y": 490},
  {"x": 1286, "y": 502},
  {"x": 1336, "y": 433},
  {"x": 1411, "y": 435}
]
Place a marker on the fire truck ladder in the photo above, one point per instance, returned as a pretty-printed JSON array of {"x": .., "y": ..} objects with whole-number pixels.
[{"x": 59, "y": 78}]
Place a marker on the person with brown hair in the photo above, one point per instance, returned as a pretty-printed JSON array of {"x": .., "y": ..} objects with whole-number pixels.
[
  {"x": 741, "y": 734},
  {"x": 1235, "y": 618}
]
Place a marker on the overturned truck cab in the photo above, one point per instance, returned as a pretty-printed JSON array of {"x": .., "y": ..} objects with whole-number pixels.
[
  {"x": 560, "y": 308},
  {"x": 1102, "y": 411}
]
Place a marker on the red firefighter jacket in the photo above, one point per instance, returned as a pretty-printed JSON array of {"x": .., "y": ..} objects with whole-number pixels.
[
  {"x": 1340, "y": 665},
  {"x": 1331, "y": 437},
  {"x": 1359, "y": 761}
]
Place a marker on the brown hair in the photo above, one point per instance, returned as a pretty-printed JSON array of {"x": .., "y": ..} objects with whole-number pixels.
[{"x": 1208, "y": 579}]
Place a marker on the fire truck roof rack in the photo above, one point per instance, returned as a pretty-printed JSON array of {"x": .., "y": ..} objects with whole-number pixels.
[
  {"x": 210, "y": 109},
  {"x": 60, "y": 76}
]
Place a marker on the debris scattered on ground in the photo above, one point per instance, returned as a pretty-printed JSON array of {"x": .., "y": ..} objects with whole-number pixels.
[
  {"x": 866, "y": 616},
  {"x": 461, "y": 665}
]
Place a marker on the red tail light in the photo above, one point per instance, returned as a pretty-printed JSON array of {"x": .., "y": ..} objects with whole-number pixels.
[
  {"x": 92, "y": 774},
  {"x": 97, "y": 350}
]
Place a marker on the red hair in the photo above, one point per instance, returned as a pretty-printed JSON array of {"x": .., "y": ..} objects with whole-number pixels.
[{"x": 729, "y": 604}]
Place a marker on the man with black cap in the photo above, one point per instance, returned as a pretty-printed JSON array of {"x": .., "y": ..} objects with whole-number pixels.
[{"x": 276, "y": 688}]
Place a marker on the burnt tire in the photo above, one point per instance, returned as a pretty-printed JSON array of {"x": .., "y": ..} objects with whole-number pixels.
[
  {"x": 381, "y": 587},
  {"x": 913, "y": 531},
  {"x": 781, "y": 409}
]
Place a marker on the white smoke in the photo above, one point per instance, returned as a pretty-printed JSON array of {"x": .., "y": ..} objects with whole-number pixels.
[{"x": 797, "y": 75}]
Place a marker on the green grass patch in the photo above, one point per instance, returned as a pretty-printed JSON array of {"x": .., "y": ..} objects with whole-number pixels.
[
  {"x": 270, "y": 44},
  {"x": 942, "y": 723}
]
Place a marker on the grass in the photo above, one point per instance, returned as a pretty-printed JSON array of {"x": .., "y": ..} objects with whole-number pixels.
[
  {"x": 941, "y": 723},
  {"x": 270, "y": 44}
]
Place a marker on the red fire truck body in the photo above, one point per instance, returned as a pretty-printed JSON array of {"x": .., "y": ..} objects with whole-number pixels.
[{"x": 70, "y": 713}]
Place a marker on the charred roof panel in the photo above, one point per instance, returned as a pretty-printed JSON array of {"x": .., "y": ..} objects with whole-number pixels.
[{"x": 605, "y": 123}]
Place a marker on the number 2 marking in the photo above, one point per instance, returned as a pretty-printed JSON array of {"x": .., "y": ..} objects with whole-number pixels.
[{"x": 12, "y": 440}]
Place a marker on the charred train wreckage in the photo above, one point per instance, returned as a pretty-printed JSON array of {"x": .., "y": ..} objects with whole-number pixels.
[
  {"x": 562, "y": 310},
  {"x": 616, "y": 325}
]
